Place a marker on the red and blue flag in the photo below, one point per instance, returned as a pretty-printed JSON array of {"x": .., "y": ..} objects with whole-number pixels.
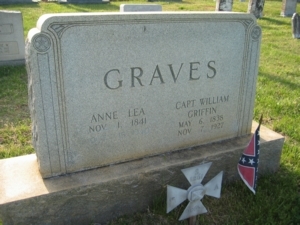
[{"x": 248, "y": 164}]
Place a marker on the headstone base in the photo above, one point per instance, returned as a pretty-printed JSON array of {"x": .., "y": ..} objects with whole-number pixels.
[{"x": 99, "y": 195}]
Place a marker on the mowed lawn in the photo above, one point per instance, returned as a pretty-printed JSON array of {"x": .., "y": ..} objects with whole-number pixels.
[{"x": 278, "y": 98}]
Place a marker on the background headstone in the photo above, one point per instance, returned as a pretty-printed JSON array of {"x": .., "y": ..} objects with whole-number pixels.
[
  {"x": 129, "y": 93},
  {"x": 139, "y": 7},
  {"x": 296, "y": 25},
  {"x": 224, "y": 5},
  {"x": 288, "y": 8},
  {"x": 12, "y": 45},
  {"x": 256, "y": 7}
]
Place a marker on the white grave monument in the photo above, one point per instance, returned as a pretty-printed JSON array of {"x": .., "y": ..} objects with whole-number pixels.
[
  {"x": 12, "y": 44},
  {"x": 155, "y": 83},
  {"x": 106, "y": 88}
]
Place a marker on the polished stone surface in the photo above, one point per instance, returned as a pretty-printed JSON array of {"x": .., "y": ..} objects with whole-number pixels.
[{"x": 107, "y": 88}]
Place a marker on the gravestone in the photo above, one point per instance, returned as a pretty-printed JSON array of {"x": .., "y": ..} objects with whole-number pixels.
[
  {"x": 136, "y": 96},
  {"x": 12, "y": 46},
  {"x": 288, "y": 8},
  {"x": 82, "y": 1},
  {"x": 112, "y": 87},
  {"x": 296, "y": 25},
  {"x": 224, "y": 5},
  {"x": 256, "y": 7},
  {"x": 139, "y": 7}
]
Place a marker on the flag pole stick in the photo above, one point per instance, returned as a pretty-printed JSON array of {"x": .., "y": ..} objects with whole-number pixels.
[
  {"x": 192, "y": 220},
  {"x": 260, "y": 120}
]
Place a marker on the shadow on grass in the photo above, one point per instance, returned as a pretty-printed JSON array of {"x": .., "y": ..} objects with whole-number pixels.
[
  {"x": 281, "y": 80},
  {"x": 92, "y": 7},
  {"x": 9, "y": 70},
  {"x": 275, "y": 21},
  {"x": 18, "y": 6}
]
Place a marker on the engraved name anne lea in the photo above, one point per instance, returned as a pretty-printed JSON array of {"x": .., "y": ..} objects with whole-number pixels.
[{"x": 200, "y": 115}]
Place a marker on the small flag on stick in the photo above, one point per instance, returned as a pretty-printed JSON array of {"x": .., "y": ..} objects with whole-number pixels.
[{"x": 248, "y": 164}]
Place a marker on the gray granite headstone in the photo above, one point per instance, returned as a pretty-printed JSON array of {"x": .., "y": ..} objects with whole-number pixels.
[
  {"x": 12, "y": 45},
  {"x": 256, "y": 7},
  {"x": 139, "y": 7},
  {"x": 296, "y": 25},
  {"x": 111, "y": 87},
  {"x": 224, "y": 5},
  {"x": 288, "y": 8}
]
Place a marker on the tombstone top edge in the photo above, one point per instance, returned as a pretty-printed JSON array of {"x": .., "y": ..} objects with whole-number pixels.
[{"x": 47, "y": 19}]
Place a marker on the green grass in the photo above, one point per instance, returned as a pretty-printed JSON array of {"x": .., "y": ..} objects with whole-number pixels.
[
  {"x": 278, "y": 98},
  {"x": 15, "y": 134}
]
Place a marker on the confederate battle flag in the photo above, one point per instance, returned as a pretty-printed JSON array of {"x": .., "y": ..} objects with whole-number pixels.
[{"x": 248, "y": 164}]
